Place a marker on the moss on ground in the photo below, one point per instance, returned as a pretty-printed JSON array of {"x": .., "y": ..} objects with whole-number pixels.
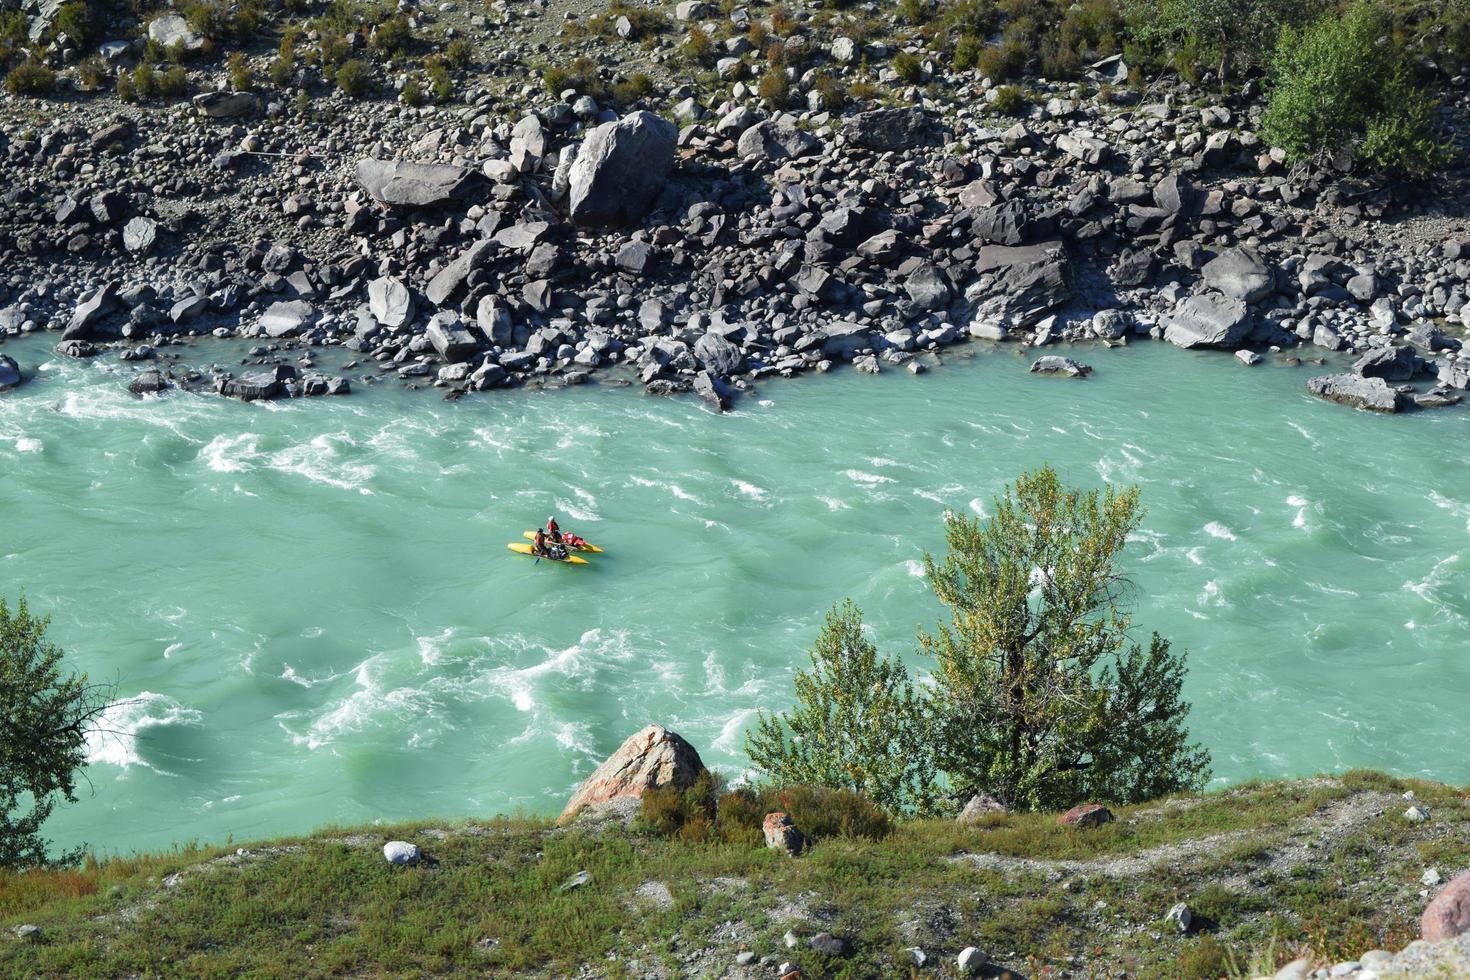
[{"x": 1326, "y": 866}]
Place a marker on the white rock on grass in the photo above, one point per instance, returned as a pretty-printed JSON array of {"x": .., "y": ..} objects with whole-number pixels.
[
  {"x": 970, "y": 961},
  {"x": 401, "y": 852}
]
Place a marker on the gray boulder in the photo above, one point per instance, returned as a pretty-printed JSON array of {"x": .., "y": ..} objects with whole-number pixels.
[
  {"x": 1111, "y": 324},
  {"x": 403, "y": 184},
  {"x": 1371, "y": 394},
  {"x": 712, "y": 390},
  {"x": 226, "y": 105},
  {"x": 1030, "y": 281},
  {"x": 286, "y": 318},
  {"x": 1052, "y": 364},
  {"x": 841, "y": 341},
  {"x": 717, "y": 354},
  {"x": 258, "y": 385},
  {"x": 139, "y": 234},
  {"x": 91, "y": 310},
  {"x": 1389, "y": 363},
  {"x": 171, "y": 29},
  {"x": 1240, "y": 273},
  {"x": 927, "y": 287},
  {"x": 390, "y": 301},
  {"x": 452, "y": 341},
  {"x": 10, "y": 375},
  {"x": 777, "y": 139},
  {"x": 888, "y": 129},
  {"x": 1208, "y": 320},
  {"x": 620, "y": 169},
  {"x": 451, "y": 279},
  {"x": 494, "y": 321},
  {"x": 150, "y": 382},
  {"x": 402, "y": 853}
]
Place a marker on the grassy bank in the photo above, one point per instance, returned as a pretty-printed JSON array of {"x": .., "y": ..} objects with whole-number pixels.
[{"x": 1328, "y": 866}]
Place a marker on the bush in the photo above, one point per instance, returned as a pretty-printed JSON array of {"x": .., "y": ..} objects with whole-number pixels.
[
  {"x": 459, "y": 53},
  {"x": 439, "y": 80},
  {"x": 30, "y": 78},
  {"x": 413, "y": 93},
  {"x": 639, "y": 85},
  {"x": 126, "y": 91},
  {"x": 1003, "y": 61},
  {"x": 831, "y": 93},
  {"x": 1042, "y": 698},
  {"x": 1215, "y": 32},
  {"x": 966, "y": 52},
  {"x": 698, "y": 47},
  {"x": 775, "y": 89},
  {"x": 242, "y": 79},
  {"x": 353, "y": 77},
  {"x": 174, "y": 82},
  {"x": 281, "y": 71},
  {"x": 783, "y": 24},
  {"x": 1010, "y": 101},
  {"x": 704, "y": 812},
  {"x": 913, "y": 11},
  {"x": 1335, "y": 87},
  {"x": 75, "y": 21},
  {"x": 93, "y": 73},
  {"x": 862, "y": 91},
  {"x": 908, "y": 68},
  {"x": 392, "y": 37},
  {"x": 685, "y": 812},
  {"x": 145, "y": 81},
  {"x": 858, "y": 724}
]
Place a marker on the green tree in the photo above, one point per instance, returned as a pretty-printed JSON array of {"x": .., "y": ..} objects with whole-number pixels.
[
  {"x": 858, "y": 724},
  {"x": 1219, "y": 31},
  {"x": 45, "y": 716},
  {"x": 1041, "y": 698},
  {"x": 1343, "y": 83}
]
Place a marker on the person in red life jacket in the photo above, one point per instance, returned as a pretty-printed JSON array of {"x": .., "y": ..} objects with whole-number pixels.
[
  {"x": 553, "y": 529},
  {"x": 538, "y": 546}
]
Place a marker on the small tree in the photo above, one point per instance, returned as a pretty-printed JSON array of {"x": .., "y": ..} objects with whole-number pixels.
[
  {"x": 858, "y": 724},
  {"x": 44, "y": 720},
  {"x": 1042, "y": 699}
]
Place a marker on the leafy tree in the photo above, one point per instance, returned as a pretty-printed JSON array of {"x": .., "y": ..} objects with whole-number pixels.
[
  {"x": 1220, "y": 31},
  {"x": 44, "y": 720},
  {"x": 1342, "y": 83},
  {"x": 1041, "y": 699},
  {"x": 858, "y": 724}
]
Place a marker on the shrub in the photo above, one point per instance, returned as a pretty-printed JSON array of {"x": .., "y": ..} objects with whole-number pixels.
[
  {"x": 14, "y": 30},
  {"x": 775, "y": 89},
  {"x": 783, "y": 24},
  {"x": 1043, "y": 699},
  {"x": 862, "y": 91},
  {"x": 858, "y": 724},
  {"x": 685, "y": 812},
  {"x": 30, "y": 78},
  {"x": 557, "y": 80},
  {"x": 908, "y": 68},
  {"x": 973, "y": 18},
  {"x": 831, "y": 93},
  {"x": 1216, "y": 32},
  {"x": 281, "y": 71},
  {"x": 698, "y": 47},
  {"x": 392, "y": 36},
  {"x": 459, "y": 53},
  {"x": 1335, "y": 86},
  {"x": 242, "y": 79},
  {"x": 332, "y": 50},
  {"x": 93, "y": 73},
  {"x": 413, "y": 93},
  {"x": 966, "y": 52},
  {"x": 639, "y": 85},
  {"x": 821, "y": 812},
  {"x": 126, "y": 90},
  {"x": 174, "y": 82},
  {"x": 352, "y": 78},
  {"x": 1003, "y": 61},
  {"x": 145, "y": 81},
  {"x": 439, "y": 80},
  {"x": 913, "y": 11},
  {"x": 75, "y": 21}
]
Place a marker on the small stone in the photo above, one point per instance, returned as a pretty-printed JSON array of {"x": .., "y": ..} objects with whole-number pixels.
[
  {"x": 1181, "y": 916},
  {"x": 790, "y": 939},
  {"x": 970, "y": 961},
  {"x": 744, "y": 959},
  {"x": 576, "y": 881},
  {"x": 782, "y": 835},
  {"x": 1248, "y": 357},
  {"x": 830, "y": 945},
  {"x": 917, "y": 956},
  {"x": 402, "y": 853},
  {"x": 1430, "y": 877},
  {"x": 1416, "y": 814},
  {"x": 1086, "y": 815},
  {"x": 28, "y": 933}
]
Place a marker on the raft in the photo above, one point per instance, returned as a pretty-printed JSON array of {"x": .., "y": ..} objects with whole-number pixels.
[
  {"x": 525, "y": 549},
  {"x": 589, "y": 548}
]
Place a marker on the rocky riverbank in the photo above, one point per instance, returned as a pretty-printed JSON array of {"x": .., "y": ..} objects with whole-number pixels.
[{"x": 704, "y": 240}]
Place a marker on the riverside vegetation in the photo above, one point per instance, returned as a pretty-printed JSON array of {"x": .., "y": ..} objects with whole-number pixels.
[
  {"x": 481, "y": 195},
  {"x": 1040, "y": 698}
]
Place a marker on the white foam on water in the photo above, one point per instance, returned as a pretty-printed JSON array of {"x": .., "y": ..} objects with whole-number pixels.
[
  {"x": 585, "y": 508},
  {"x": 115, "y": 738},
  {"x": 1193, "y": 554},
  {"x": 833, "y": 503},
  {"x": 681, "y": 494},
  {"x": 731, "y": 732},
  {"x": 714, "y": 674},
  {"x": 765, "y": 403},
  {"x": 373, "y": 705},
  {"x": 431, "y": 648},
  {"x": 1303, "y": 432},
  {"x": 1453, "y": 506},
  {"x": 1217, "y": 530},
  {"x": 914, "y": 567},
  {"x": 1212, "y": 595},
  {"x": 519, "y": 683},
  {"x": 1301, "y": 504},
  {"x": 24, "y": 444},
  {"x": 978, "y": 508},
  {"x": 320, "y": 462},
  {"x": 751, "y": 490},
  {"x": 231, "y": 454},
  {"x": 871, "y": 479},
  {"x": 172, "y": 649}
]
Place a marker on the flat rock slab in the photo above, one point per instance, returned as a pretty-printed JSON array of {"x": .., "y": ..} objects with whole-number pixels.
[
  {"x": 1065, "y": 366},
  {"x": 1370, "y": 394},
  {"x": 404, "y": 184}
]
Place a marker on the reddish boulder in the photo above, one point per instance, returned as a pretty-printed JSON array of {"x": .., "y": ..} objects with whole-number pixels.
[
  {"x": 1086, "y": 815},
  {"x": 653, "y": 757},
  {"x": 1448, "y": 915},
  {"x": 782, "y": 835}
]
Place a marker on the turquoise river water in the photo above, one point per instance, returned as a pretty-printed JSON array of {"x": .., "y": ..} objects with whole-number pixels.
[{"x": 313, "y": 615}]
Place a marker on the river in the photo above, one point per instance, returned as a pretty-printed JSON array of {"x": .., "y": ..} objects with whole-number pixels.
[{"x": 313, "y": 616}]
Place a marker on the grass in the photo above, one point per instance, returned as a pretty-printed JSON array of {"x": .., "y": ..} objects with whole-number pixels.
[{"x": 329, "y": 905}]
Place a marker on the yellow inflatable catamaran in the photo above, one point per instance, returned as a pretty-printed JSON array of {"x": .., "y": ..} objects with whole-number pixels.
[{"x": 525, "y": 549}]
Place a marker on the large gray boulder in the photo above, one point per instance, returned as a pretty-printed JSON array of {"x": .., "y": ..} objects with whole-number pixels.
[
  {"x": 286, "y": 318},
  {"x": 777, "y": 139},
  {"x": 9, "y": 373},
  {"x": 226, "y": 105},
  {"x": 1208, "y": 320},
  {"x": 451, "y": 279},
  {"x": 1052, "y": 364},
  {"x": 888, "y": 129},
  {"x": 450, "y": 338},
  {"x": 1030, "y": 281},
  {"x": 403, "y": 184},
  {"x": 91, "y": 310},
  {"x": 927, "y": 288},
  {"x": 1240, "y": 273},
  {"x": 1389, "y": 363},
  {"x": 649, "y": 759},
  {"x": 620, "y": 169},
  {"x": 390, "y": 301},
  {"x": 171, "y": 29},
  {"x": 717, "y": 354},
  {"x": 139, "y": 234},
  {"x": 1372, "y": 394}
]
